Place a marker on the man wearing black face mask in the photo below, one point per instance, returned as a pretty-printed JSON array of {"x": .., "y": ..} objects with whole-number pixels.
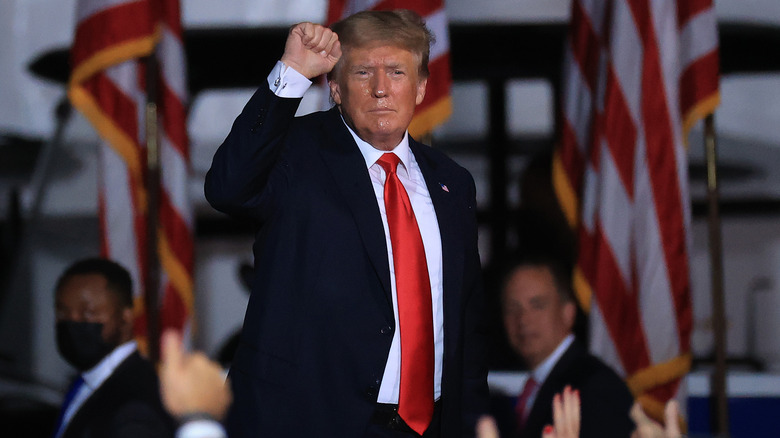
[{"x": 116, "y": 393}]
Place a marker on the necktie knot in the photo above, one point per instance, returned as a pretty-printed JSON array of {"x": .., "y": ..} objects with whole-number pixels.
[{"x": 389, "y": 162}]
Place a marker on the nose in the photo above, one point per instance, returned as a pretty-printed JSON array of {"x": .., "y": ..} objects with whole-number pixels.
[
  {"x": 380, "y": 86},
  {"x": 524, "y": 317}
]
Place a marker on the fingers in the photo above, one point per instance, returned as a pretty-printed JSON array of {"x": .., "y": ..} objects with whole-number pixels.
[
  {"x": 559, "y": 418},
  {"x": 566, "y": 415},
  {"x": 571, "y": 407},
  {"x": 638, "y": 415},
  {"x": 311, "y": 49},
  {"x": 645, "y": 427},
  {"x": 671, "y": 415},
  {"x": 333, "y": 41},
  {"x": 486, "y": 427},
  {"x": 318, "y": 39},
  {"x": 173, "y": 357}
]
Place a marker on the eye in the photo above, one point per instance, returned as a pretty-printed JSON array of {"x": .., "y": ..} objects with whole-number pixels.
[
  {"x": 91, "y": 314},
  {"x": 538, "y": 304}
]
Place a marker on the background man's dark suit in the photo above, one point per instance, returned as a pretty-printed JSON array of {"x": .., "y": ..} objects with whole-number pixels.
[
  {"x": 127, "y": 404},
  {"x": 320, "y": 322},
  {"x": 605, "y": 400}
]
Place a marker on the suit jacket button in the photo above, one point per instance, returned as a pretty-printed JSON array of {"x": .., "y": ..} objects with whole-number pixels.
[
  {"x": 259, "y": 121},
  {"x": 386, "y": 330}
]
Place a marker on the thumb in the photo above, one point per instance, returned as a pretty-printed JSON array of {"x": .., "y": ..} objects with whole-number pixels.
[{"x": 172, "y": 351}]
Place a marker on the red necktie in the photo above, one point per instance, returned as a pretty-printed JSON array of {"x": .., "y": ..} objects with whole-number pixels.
[
  {"x": 522, "y": 401},
  {"x": 415, "y": 314}
]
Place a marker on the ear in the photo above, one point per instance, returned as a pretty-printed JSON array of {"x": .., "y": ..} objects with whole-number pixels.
[
  {"x": 127, "y": 316},
  {"x": 421, "y": 90},
  {"x": 335, "y": 91},
  {"x": 569, "y": 314}
]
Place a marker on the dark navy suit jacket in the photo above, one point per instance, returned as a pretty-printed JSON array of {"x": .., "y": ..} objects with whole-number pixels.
[
  {"x": 605, "y": 399},
  {"x": 127, "y": 405},
  {"x": 319, "y": 322}
]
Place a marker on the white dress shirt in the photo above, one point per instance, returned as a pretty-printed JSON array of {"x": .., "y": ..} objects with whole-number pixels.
[{"x": 286, "y": 82}]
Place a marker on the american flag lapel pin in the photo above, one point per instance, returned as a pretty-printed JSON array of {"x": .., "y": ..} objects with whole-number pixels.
[{"x": 444, "y": 187}]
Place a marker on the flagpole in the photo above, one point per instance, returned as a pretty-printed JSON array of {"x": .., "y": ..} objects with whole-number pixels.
[
  {"x": 718, "y": 390},
  {"x": 152, "y": 280}
]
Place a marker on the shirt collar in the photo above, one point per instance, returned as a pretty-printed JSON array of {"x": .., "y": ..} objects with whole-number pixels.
[
  {"x": 541, "y": 372},
  {"x": 371, "y": 154},
  {"x": 100, "y": 372}
]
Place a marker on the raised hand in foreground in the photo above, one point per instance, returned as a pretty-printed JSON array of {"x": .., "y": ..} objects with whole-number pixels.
[
  {"x": 647, "y": 428},
  {"x": 311, "y": 49},
  {"x": 190, "y": 383},
  {"x": 566, "y": 415}
]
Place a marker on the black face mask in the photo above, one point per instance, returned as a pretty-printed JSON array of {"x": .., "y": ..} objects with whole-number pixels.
[{"x": 81, "y": 343}]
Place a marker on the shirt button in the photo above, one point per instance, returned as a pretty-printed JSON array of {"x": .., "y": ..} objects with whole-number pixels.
[{"x": 386, "y": 330}]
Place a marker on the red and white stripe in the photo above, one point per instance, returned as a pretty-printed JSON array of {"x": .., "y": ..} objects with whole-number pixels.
[
  {"x": 176, "y": 247},
  {"x": 108, "y": 85},
  {"x": 635, "y": 71},
  {"x": 436, "y": 108}
]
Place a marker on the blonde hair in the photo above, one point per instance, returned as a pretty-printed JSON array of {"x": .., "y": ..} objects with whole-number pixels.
[{"x": 399, "y": 28}]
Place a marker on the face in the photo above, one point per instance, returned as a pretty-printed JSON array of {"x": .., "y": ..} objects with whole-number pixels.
[
  {"x": 536, "y": 319},
  {"x": 86, "y": 298},
  {"x": 377, "y": 90}
]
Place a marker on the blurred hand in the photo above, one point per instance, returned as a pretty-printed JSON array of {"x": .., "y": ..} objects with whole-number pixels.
[
  {"x": 311, "y": 49},
  {"x": 566, "y": 415},
  {"x": 647, "y": 428},
  {"x": 486, "y": 427},
  {"x": 190, "y": 382}
]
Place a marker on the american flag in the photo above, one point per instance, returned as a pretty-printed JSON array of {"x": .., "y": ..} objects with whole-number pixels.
[
  {"x": 637, "y": 75},
  {"x": 108, "y": 86},
  {"x": 436, "y": 108}
]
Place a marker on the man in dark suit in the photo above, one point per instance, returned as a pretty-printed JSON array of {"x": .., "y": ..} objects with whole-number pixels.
[
  {"x": 539, "y": 312},
  {"x": 347, "y": 241},
  {"x": 116, "y": 393}
]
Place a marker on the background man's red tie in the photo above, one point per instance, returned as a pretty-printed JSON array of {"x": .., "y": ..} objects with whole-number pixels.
[
  {"x": 522, "y": 401},
  {"x": 415, "y": 314}
]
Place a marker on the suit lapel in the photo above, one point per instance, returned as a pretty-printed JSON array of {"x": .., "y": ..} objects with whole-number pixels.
[
  {"x": 445, "y": 204},
  {"x": 348, "y": 169},
  {"x": 85, "y": 415},
  {"x": 554, "y": 382}
]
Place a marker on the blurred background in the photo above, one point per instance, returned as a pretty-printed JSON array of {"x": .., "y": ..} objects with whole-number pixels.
[{"x": 66, "y": 228}]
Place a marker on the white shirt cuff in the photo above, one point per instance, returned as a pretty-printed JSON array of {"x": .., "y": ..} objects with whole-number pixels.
[
  {"x": 201, "y": 429},
  {"x": 285, "y": 81}
]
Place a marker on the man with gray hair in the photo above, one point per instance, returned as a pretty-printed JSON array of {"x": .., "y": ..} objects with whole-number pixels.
[{"x": 365, "y": 315}]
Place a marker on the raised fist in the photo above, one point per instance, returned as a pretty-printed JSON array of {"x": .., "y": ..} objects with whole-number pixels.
[{"x": 311, "y": 49}]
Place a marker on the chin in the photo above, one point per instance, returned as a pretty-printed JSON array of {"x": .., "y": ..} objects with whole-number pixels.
[{"x": 387, "y": 131}]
